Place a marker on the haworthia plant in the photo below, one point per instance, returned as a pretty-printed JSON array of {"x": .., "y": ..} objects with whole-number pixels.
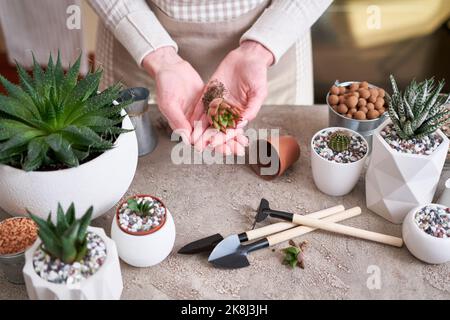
[
  {"x": 54, "y": 120},
  {"x": 419, "y": 110},
  {"x": 67, "y": 240}
]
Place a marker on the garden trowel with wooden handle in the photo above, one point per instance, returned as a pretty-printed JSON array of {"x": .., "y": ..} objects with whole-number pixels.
[
  {"x": 209, "y": 243},
  {"x": 230, "y": 253}
]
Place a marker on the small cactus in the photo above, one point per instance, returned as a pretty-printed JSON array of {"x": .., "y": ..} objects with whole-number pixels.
[{"x": 339, "y": 141}]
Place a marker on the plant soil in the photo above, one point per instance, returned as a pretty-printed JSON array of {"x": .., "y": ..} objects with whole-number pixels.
[
  {"x": 16, "y": 235},
  {"x": 424, "y": 146},
  {"x": 356, "y": 151},
  {"x": 56, "y": 271}
]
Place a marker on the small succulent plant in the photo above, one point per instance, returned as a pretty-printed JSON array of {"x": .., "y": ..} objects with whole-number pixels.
[
  {"x": 339, "y": 141},
  {"x": 419, "y": 110},
  {"x": 294, "y": 255},
  {"x": 67, "y": 240},
  {"x": 141, "y": 208},
  {"x": 52, "y": 120},
  {"x": 220, "y": 113}
]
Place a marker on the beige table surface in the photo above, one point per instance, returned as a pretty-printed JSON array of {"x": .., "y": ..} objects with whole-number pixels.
[{"x": 222, "y": 198}]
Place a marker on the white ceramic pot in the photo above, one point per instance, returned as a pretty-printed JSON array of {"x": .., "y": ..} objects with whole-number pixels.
[
  {"x": 336, "y": 179},
  {"x": 100, "y": 182},
  {"x": 144, "y": 249},
  {"x": 105, "y": 284},
  {"x": 397, "y": 182},
  {"x": 423, "y": 245}
]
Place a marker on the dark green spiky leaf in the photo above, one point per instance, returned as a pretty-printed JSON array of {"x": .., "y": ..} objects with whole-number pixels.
[
  {"x": 68, "y": 243},
  {"x": 70, "y": 214},
  {"x": 84, "y": 224},
  {"x": 61, "y": 223},
  {"x": 37, "y": 149}
]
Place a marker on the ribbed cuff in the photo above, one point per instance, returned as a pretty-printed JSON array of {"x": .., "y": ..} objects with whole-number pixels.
[{"x": 140, "y": 33}]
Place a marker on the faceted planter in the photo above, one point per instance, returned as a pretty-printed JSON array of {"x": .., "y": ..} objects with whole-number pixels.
[
  {"x": 100, "y": 182},
  {"x": 144, "y": 248},
  {"x": 397, "y": 182},
  {"x": 105, "y": 284}
]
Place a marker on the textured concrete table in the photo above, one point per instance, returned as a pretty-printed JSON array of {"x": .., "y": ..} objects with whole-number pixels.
[{"x": 222, "y": 198}]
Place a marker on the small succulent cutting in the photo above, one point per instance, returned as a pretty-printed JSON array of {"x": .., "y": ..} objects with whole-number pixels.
[
  {"x": 67, "y": 240},
  {"x": 52, "y": 120},
  {"x": 142, "y": 208},
  {"x": 220, "y": 113},
  {"x": 294, "y": 255},
  {"x": 339, "y": 141},
  {"x": 418, "y": 111}
]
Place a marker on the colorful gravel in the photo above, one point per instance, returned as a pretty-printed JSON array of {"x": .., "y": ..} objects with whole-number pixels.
[
  {"x": 423, "y": 146},
  {"x": 134, "y": 222},
  {"x": 56, "y": 271},
  {"x": 434, "y": 220},
  {"x": 16, "y": 235},
  {"x": 356, "y": 151}
]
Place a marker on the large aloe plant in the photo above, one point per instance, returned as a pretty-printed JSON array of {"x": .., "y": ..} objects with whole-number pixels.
[
  {"x": 419, "y": 110},
  {"x": 53, "y": 120},
  {"x": 67, "y": 240}
]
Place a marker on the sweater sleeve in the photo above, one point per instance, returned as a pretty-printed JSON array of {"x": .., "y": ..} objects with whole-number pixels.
[
  {"x": 135, "y": 26},
  {"x": 283, "y": 22}
]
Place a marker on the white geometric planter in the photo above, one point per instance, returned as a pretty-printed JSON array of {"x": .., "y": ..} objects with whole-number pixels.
[
  {"x": 397, "y": 182},
  {"x": 105, "y": 284},
  {"x": 100, "y": 182}
]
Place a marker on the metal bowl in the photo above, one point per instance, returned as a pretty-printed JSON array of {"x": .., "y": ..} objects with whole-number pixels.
[{"x": 364, "y": 127}]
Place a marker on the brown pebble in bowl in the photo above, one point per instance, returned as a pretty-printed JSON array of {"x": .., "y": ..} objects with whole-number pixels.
[
  {"x": 349, "y": 115},
  {"x": 364, "y": 84},
  {"x": 364, "y": 93},
  {"x": 372, "y": 114},
  {"x": 354, "y": 86},
  {"x": 334, "y": 90},
  {"x": 379, "y": 103},
  {"x": 333, "y": 99},
  {"x": 381, "y": 93},
  {"x": 352, "y": 102},
  {"x": 342, "y": 90},
  {"x": 352, "y": 111},
  {"x": 360, "y": 115},
  {"x": 370, "y": 106},
  {"x": 342, "y": 108},
  {"x": 341, "y": 99},
  {"x": 362, "y": 102},
  {"x": 364, "y": 109}
]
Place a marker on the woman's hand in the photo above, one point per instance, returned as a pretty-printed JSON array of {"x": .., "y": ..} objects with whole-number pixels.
[
  {"x": 178, "y": 88},
  {"x": 244, "y": 74}
]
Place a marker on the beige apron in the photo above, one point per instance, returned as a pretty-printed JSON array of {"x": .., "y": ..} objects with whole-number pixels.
[{"x": 204, "y": 45}]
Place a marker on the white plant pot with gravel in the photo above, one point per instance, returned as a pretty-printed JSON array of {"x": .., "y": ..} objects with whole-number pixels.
[
  {"x": 396, "y": 181},
  {"x": 101, "y": 281},
  {"x": 101, "y": 182},
  {"x": 426, "y": 232},
  {"x": 143, "y": 241},
  {"x": 336, "y": 173}
]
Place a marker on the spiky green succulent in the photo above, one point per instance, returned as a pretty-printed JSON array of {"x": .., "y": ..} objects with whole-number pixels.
[
  {"x": 67, "y": 240},
  {"x": 339, "y": 141},
  {"x": 419, "y": 110},
  {"x": 141, "y": 208},
  {"x": 53, "y": 120}
]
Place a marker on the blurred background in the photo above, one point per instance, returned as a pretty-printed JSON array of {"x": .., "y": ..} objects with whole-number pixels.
[{"x": 353, "y": 40}]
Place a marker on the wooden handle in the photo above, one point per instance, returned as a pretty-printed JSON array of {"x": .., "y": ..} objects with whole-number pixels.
[
  {"x": 298, "y": 231},
  {"x": 350, "y": 231},
  {"x": 281, "y": 226}
]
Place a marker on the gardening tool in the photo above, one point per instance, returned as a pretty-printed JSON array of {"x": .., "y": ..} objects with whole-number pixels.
[
  {"x": 264, "y": 211},
  {"x": 207, "y": 244},
  {"x": 139, "y": 113},
  {"x": 230, "y": 253},
  {"x": 332, "y": 227}
]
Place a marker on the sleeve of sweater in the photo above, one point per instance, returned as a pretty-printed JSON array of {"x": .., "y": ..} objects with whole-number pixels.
[
  {"x": 134, "y": 24},
  {"x": 283, "y": 22}
]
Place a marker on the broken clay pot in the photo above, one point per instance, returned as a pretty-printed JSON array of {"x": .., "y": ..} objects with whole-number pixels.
[{"x": 273, "y": 156}]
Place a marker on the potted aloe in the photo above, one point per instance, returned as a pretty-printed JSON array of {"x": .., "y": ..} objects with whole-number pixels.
[
  {"x": 61, "y": 140},
  {"x": 143, "y": 230},
  {"x": 71, "y": 260},
  {"x": 409, "y": 150}
]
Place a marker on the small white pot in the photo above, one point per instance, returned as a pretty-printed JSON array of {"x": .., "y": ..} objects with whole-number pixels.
[
  {"x": 101, "y": 182},
  {"x": 336, "y": 179},
  {"x": 144, "y": 249},
  {"x": 397, "y": 182},
  {"x": 423, "y": 245},
  {"x": 105, "y": 284}
]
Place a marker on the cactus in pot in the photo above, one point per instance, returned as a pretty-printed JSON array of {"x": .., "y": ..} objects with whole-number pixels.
[{"x": 339, "y": 141}]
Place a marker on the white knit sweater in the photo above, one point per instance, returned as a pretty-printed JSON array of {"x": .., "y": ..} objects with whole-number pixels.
[{"x": 133, "y": 23}]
